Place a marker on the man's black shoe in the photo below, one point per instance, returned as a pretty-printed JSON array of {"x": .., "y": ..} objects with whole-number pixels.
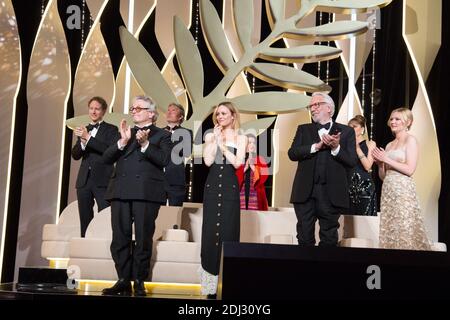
[
  {"x": 121, "y": 288},
  {"x": 139, "y": 288}
]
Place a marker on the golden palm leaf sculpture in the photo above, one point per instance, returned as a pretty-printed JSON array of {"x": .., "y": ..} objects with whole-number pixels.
[{"x": 272, "y": 102}]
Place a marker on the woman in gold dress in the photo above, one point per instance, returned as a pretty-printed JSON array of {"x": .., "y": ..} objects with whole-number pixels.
[{"x": 401, "y": 221}]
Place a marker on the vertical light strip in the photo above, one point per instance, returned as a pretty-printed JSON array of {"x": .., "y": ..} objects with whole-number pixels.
[
  {"x": 128, "y": 70},
  {"x": 63, "y": 139},
  {"x": 372, "y": 95},
  {"x": 351, "y": 74},
  {"x": 327, "y": 75},
  {"x": 318, "y": 63},
  {"x": 83, "y": 8},
  {"x": 363, "y": 89},
  {"x": 8, "y": 175},
  {"x": 197, "y": 13}
]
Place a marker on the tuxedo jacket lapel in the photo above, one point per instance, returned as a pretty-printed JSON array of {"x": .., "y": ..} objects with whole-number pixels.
[
  {"x": 314, "y": 134},
  {"x": 101, "y": 131},
  {"x": 132, "y": 146}
]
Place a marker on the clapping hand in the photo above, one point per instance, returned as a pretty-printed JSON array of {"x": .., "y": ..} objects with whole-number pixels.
[
  {"x": 218, "y": 134},
  {"x": 332, "y": 141},
  {"x": 82, "y": 133},
  {"x": 319, "y": 145},
  {"x": 250, "y": 163},
  {"x": 142, "y": 137},
  {"x": 379, "y": 155},
  {"x": 125, "y": 132}
]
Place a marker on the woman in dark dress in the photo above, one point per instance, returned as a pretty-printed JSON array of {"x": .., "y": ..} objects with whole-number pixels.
[
  {"x": 362, "y": 188},
  {"x": 224, "y": 152}
]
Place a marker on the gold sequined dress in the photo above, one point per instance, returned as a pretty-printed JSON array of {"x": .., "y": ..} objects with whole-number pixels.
[{"x": 401, "y": 221}]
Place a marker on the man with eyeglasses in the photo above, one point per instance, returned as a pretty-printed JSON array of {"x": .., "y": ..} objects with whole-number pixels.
[
  {"x": 93, "y": 175},
  {"x": 174, "y": 172},
  {"x": 136, "y": 192},
  {"x": 325, "y": 152}
]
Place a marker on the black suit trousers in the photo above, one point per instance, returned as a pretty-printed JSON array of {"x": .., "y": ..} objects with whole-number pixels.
[
  {"x": 86, "y": 196},
  {"x": 318, "y": 206},
  {"x": 132, "y": 259}
]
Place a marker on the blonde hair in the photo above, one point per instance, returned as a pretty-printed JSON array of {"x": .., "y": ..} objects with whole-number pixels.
[
  {"x": 405, "y": 114},
  {"x": 234, "y": 113}
]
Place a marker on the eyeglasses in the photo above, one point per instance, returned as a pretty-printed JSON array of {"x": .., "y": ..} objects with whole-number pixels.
[
  {"x": 137, "y": 109},
  {"x": 317, "y": 104}
]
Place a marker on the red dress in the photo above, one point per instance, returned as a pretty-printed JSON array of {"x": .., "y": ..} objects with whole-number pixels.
[{"x": 257, "y": 197}]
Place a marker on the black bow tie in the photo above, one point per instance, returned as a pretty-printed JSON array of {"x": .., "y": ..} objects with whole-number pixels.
[
  {"x": 168, "y": 128},
  {"x": 143, "y": 128},
  {"x": 90, "y": 127},
  {"x": 326, "y": 125}
]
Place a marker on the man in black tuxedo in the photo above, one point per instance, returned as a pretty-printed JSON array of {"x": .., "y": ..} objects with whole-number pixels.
[
  {"x": 175, "y": 171},
  {"x": 94, "y": 174},
  {"x": 136, "y": 192},
  {"x": 325, "y": 151}
]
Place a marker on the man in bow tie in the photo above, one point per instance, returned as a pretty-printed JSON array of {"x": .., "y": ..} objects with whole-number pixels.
[
  {"x": 325, "y": 151},
  {"x": 136, "y": 192},
  {"x": 93, "y": 175},
  {"x": 174, "y": 172}
]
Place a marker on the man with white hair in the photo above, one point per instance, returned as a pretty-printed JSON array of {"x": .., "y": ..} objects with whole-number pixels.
[
  {"x": 325, "y": 151},
  {"x": 136, "y": 192}
]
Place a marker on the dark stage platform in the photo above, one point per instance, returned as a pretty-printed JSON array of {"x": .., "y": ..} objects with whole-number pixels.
[{"x": 287, "y": 272}]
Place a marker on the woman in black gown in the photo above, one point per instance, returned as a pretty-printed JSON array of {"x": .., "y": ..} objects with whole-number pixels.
[
  {"x": 224, "y": 152},
  {"x": 362, "y": 188}
]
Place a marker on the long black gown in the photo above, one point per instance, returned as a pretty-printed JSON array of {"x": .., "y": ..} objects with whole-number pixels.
[
  {"x": 362, "y": 189},
  {"x": 221, "y": 213}
]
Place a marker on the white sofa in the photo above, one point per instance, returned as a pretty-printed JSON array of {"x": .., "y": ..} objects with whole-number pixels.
[{"x": 56, "y": 237}]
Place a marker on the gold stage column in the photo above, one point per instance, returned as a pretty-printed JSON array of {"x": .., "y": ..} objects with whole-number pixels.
[
  {"x": 422, "y": 34},
  {"x": 48, "y": 89},
  {"x": 11, "y": 70}
]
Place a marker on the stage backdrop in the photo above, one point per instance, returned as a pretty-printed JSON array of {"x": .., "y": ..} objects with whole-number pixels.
[{"x": 211, "y": 51}]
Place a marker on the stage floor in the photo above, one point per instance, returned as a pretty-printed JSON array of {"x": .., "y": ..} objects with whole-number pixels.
[{"x": 9, "y": 291}]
